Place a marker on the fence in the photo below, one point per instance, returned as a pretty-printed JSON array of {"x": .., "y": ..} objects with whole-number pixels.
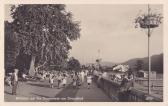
[
  {"x": 112, "y": 89},
  {"x": 154, "y": 82}
]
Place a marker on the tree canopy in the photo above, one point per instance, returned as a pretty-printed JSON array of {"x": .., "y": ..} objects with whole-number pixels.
[
  {"x": 73, "y": 64},
  {"x": 44, "y": 31},
  {"x": 139, "y": 65},
  {"x": 11, "y": 50}
]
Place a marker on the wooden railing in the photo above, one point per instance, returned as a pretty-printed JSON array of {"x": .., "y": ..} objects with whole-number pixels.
[
  {"x": 112, "y": 89},
  {"x": 154, "y": 82}
]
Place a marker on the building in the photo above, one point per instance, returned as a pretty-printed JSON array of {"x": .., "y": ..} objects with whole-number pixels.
[{"x": 144, "y": 74}]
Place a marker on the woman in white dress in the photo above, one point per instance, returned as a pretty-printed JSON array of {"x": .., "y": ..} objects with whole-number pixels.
[
  {"x": 51, "y": 80},
  {"x": 64, "y": 80},
  {"x": 89, "y": 80}
]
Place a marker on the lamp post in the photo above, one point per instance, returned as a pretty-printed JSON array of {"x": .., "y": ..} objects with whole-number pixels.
[
  {"x": 148, "y": 21},
  {"x": 149, "y": 58},
  {"x": 149, "y": 61}
]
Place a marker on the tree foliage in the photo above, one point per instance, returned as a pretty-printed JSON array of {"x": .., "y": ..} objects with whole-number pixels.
[
  {"x": 44, "y": 31},
  {"x": 73, "y": 64},
  {"x": 139, "y": 65},
  {"x": 11, "y": 50}
]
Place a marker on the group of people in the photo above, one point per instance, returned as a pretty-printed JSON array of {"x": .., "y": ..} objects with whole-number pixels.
[
  {"x": 126, "y": 85},
  {"x": 61, "y": 78},
  {"x": 77, "y": 78},
  {"x": 125, "y": 81}
]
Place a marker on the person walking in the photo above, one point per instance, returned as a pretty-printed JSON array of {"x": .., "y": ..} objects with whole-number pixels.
[
  {"x": 74, "y": 83},
  {"x": 14, "y": 81},
  {"x": 86, "y": 72},
  {"x": 89, "y": 80},
  {"x": 43, "y": 75},
  {"x": 82, "y": 76},
  {"x": 64, "y": 80},
  {"x": 78, "y": 81},
  {"x": 59, "y": 80},
  {"x": 131, "y": 80},
  {"x": 51, "y": 80}
]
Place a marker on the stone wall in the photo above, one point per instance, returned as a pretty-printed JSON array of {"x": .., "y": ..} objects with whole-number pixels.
[{"x": 112, "y": 89}]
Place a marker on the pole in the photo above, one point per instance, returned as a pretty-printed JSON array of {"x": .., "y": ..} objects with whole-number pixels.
[{"x": 149, "y": 60}]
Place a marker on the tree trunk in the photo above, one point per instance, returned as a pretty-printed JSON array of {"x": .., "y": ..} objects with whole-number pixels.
[{"x": 32, "y": 68}]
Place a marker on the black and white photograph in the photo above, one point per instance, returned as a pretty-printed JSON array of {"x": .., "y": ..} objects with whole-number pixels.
[{"x": 83, "y": 53}]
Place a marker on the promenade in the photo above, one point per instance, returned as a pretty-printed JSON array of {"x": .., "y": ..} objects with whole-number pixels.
[{"x": 40, "y": 91}]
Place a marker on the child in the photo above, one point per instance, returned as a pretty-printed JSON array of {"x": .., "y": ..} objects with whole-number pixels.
[
  {"x": 74, "y": 80},
  {"x": 64, "y": 81},
  {"x": 89, "y": 80},
  {"x": 51, "y": 80},
  {"x": 78, "y": 82},
  {"x": 14, "y": 80},
  {"x": 59, "y": 80}
]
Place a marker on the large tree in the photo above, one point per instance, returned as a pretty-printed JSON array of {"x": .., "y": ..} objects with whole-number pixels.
[{"x": 45, "y": 32}]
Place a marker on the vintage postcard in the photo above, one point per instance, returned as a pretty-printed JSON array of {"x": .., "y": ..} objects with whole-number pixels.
[{"x": 84, "y": 52}]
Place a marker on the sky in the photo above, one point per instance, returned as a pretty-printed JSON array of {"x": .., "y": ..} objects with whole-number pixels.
[{"x": 110, "y": 29}]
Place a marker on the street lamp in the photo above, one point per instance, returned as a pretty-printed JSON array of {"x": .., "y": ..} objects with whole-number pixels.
[{"x": 148, "y": 21}]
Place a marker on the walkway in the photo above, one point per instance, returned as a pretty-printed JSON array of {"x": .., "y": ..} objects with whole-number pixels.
[{"x": 40, "y": 91}]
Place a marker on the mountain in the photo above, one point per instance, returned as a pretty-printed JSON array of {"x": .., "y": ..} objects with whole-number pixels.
[
  {"x": 107, "y": 64},
  {"x": 103, "y": 63},
  {"x": 156, "y": 63}
]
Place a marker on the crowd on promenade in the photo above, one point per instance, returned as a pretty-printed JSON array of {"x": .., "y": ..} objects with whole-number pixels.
[
  {"x": 55, "y": 79},
  {"x": 77, "y": 78},
  {"x": 61, "y": 79}
]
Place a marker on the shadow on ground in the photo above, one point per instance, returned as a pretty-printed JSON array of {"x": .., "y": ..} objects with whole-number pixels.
[
  {"x": 40, "y": 95},
  {"x": 39, "y": 85},
  {"x": 66, "y": 94}
]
